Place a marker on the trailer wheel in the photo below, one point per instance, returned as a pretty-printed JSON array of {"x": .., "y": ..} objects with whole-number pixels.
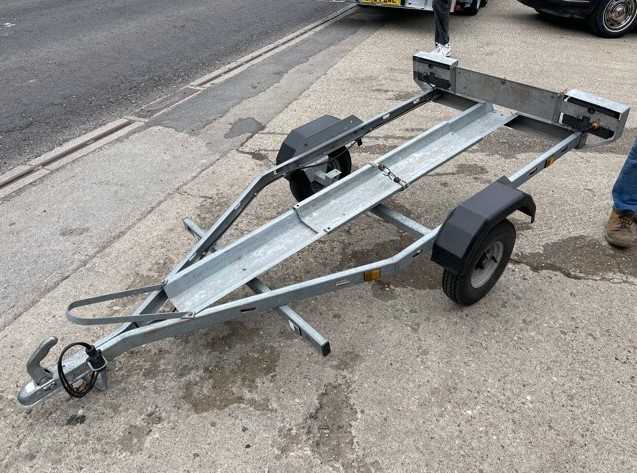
[
  {"x": 486, "y": 263},
  {"x": 301, "y": 184}
]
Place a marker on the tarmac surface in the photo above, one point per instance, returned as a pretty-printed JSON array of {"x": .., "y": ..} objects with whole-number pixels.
[
  {"x": 70, "y": 66},
  {"x": 537, "y": 377}
]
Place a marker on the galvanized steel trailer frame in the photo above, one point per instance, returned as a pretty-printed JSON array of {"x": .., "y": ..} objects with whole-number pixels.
[{"x": 207, "y": 274}]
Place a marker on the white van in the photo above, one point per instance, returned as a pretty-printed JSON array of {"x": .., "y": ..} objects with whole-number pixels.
[{"x": 466, "y": 7}]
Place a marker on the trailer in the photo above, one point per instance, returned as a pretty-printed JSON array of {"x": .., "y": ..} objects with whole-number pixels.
[
  {"x": 465, "y": 7},
  {"x": 473, "y": 245}
]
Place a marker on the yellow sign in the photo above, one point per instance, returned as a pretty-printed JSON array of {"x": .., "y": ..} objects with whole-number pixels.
[{"x": 395, "y": 3}]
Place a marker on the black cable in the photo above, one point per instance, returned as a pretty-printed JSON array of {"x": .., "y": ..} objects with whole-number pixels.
[{"x": 95, "y": 361}]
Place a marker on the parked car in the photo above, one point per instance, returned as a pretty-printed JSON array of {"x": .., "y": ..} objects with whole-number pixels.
[{"x": 607, "y": 18}]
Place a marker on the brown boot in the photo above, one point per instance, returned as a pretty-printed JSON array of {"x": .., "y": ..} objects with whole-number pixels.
[{"x": 620, "y": 230}]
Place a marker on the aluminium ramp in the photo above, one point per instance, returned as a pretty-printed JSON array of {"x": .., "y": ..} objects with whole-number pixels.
[{"x": 215, "y": 276}]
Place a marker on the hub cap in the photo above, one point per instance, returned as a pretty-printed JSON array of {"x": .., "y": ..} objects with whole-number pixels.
[
  {"x": 487, "y": 264},
  {"x": 619, "y": 14}
]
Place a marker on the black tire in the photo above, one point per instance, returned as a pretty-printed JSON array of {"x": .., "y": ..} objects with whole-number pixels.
[
  {"x": 546, "y": 15},
  {"x": 472, "y": 9},
  {"x": 467, "y": 289},
  {"x": 301, "y": 186},
  {"x": 605, "y": 24},
  {"x": 484, "y": 3}
]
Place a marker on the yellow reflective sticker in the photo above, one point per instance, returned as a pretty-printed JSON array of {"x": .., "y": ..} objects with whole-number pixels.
[
  {"x": 373, "y": 275},
  {"x": 549, "y": 161}
]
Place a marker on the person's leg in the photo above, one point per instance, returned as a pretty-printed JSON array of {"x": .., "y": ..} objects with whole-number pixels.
[
  {"x": 620, "y": 230},
  {"x": 625, "y": 188},
  {"x": 441, "y": 21}
]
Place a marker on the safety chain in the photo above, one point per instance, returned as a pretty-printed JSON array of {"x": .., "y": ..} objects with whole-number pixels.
[{"x": 388, "y": 172}]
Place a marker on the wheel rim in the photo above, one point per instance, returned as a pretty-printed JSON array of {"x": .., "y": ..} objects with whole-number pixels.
[
  {"x": 487, "y": 264},
  {"x": 619, "y": 14},
  {"x": 330, "y": 164}
]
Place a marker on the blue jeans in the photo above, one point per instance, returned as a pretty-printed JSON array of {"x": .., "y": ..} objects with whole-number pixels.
[{"x": 625, "y": 189}]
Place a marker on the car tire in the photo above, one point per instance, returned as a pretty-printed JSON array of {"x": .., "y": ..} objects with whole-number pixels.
[
  {"x": 484, "y": 3},
  {"x": 613, "y": 18},
  {"x": 472, "y": 9},
  {"x": 546, "y": 15}
]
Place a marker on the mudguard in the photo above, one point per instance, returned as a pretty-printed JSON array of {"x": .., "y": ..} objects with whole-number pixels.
[
  {"x": 473, "y": 219},
  {"x": 313, "y": 134}
]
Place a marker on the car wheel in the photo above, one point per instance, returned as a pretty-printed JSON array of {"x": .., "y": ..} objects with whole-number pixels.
[
  {"x": 614, "y": 18},
  {"x": 484, "y": 3},
  {"x": 472, "y": 9}
]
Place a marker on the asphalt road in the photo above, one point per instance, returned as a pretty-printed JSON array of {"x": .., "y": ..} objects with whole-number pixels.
[{"x": 67, "y": 66}]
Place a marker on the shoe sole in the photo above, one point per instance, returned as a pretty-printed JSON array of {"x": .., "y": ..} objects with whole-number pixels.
[{"x": 618, "y": 244}]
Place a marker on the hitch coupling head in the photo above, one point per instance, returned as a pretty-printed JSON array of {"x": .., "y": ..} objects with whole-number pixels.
[{"x": 38, "y": 374}]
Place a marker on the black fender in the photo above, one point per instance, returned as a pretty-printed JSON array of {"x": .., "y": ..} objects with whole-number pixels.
[
  {"x": 313, "y": 134},
  {"x": 473, "y": 219}
]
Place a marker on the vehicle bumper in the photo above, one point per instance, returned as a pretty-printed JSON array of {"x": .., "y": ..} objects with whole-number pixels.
[
  {"x": 412, "y": 5},
  {"x": 424, "y": 5},
  {"x": 565, "y": 8}
]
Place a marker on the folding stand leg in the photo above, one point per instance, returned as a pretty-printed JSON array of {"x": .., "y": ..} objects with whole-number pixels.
[{"x": 297, "y": 323}]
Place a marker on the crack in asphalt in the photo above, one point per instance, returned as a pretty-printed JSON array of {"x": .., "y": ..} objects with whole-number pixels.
[{"x": 538, "y": 268}]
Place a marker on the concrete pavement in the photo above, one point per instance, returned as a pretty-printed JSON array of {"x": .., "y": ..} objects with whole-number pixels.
[{"x": 540, "y": 376}]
